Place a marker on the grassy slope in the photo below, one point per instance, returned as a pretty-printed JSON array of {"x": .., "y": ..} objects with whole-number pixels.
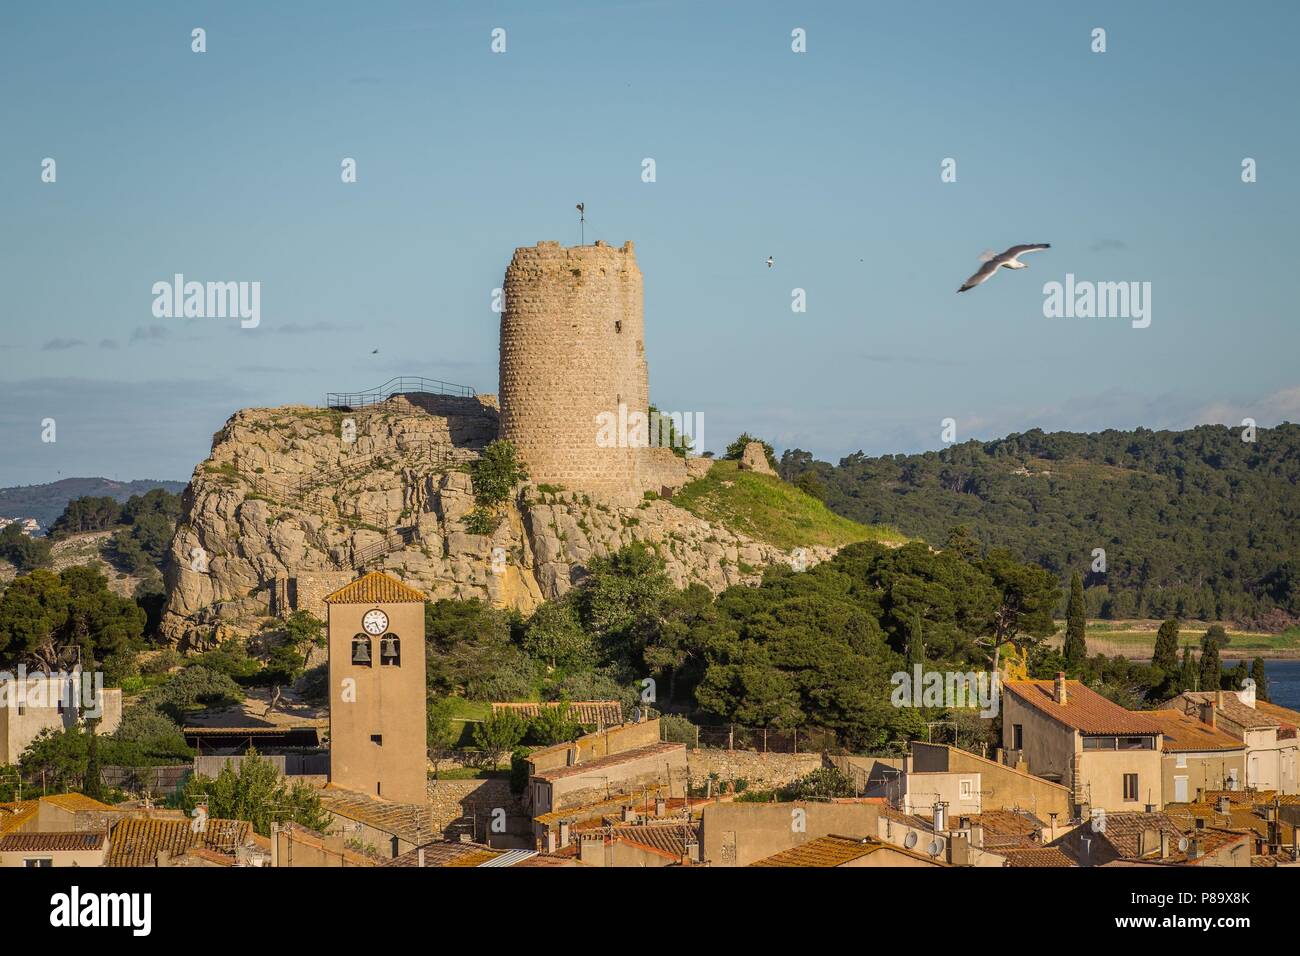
[{"x": 768, "y": 509}]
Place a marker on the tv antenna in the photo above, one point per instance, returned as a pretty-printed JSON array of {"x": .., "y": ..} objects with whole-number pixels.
[{"x": 582, "y": 221}]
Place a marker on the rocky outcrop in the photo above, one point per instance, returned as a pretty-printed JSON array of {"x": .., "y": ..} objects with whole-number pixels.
[
  {"x": 294, "y": 501},
  {"x": 754, "y": 459}
]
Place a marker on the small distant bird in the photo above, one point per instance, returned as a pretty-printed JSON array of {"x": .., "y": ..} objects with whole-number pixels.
[
  {"x": 1007, "y": 260},
  {"x": 375, "y": 352},
  {"x": 770, "y": 262}
]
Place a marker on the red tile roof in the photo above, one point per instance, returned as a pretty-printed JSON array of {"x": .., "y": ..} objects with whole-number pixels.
[
  {"x": 1036, "y": 856},
  {"x": 1084, "y": 709},
  {"x": 52, "y": 842},
  {"x": 1184, "y": 733},
  {"x": 375, "y": 588},
  {"x": 612, "y": 760}
]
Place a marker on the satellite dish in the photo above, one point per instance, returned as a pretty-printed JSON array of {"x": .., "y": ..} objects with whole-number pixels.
[
  {"x": 910, "y": 840},
  {"x": 1182, "y": 844},
  {"x": 935, "y": 847}
]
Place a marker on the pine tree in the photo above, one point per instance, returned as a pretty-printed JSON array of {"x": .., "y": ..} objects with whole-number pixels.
[
  {"x": 1261, "y": 679},
  {"x": 1165, "y": 656},
  {"x": 1075, "y": 648}
]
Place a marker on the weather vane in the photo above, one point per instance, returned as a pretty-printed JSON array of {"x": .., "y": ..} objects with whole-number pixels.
[{"x": 582, "y": 220}]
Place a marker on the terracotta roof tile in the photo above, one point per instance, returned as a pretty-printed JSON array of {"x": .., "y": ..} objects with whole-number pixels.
[
  {"x": 52, "y": 842},
  {"x": 1084, "y": 709},
  {"x": 13, "y": 815},
  {"x": 1185, "y": 733},
  {"x": 1230, "y": 707},
  {"x": 375, "y": 588},
  {"x": 1036, "y": 856},
  {"x": 612, "y": 760},
  {"x": 136, "y": 842},
  {"x": 602, "y": 712},
  {"x": 76, "y": 802},
  {"x": 445, "y": 853},
  {"x": 412, "y": 822},
  {"x": 829, "y": 851}
]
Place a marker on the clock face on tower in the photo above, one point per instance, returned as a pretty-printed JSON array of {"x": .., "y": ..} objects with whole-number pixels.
[{"x": 375, "y": 622}]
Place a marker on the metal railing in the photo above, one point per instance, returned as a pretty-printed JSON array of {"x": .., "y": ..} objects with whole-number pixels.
[{"x": 402, "y": 385}]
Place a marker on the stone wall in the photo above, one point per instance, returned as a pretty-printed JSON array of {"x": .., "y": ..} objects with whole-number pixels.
[
  {"x": 763, "y": 771},
  {"x": 449, "y": 800},
  {"x": 573, "y": 348}
]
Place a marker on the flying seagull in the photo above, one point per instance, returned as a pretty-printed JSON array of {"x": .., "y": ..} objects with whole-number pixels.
[
  {"x": 770, "y": 262},
  {"x": 1007, "y": 260}
]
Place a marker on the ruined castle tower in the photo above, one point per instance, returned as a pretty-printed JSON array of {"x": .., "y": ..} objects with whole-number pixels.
[{"x": 572, "y": 348}]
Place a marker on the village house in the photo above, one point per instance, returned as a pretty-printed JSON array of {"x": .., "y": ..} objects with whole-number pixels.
[
  {"x": 34, "y": 703},
  {"x": 1268, "y": 732},
  {"x": 1106, "y": 756},
  {"x": 1197, "y": 756},
  {"x": 842, "y": 851}
]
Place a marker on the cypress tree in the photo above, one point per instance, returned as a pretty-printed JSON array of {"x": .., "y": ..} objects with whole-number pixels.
[
  {"x": 1211, "y": 666},
  {"x": 1075, "y": 648},
  {"x": 1188, "y": 678},
  {"x": 1258, "y": 674},
  {"x": 1165, "y": 656}
]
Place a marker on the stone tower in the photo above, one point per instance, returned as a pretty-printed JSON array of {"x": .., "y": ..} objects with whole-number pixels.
[{"x": 572, "y": 349}]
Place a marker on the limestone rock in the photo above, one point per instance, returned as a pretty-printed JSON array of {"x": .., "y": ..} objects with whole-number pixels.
[
  {"x": 288, "y": 507},
  {"x": 755, "y": 459}
]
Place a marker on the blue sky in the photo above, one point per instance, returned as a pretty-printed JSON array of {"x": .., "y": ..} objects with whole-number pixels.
[{"x": 226, "y": 166}]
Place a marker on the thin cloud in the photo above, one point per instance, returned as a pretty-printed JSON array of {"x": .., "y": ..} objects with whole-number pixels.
[
  {"x": 61, "y": 345},
  {"x": 149, "y": 333}
]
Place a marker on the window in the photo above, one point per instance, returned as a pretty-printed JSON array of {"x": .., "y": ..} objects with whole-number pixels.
[
  {"x": 22, "y": 709},
  {"x": 966, "y": 789},
  {"x": 1130, "y": 786},
  {"x": 1180, "y": 789},
  {"x": 1180, "y": 761},
  {"x": 1017, "y": 736},
  {"x": 377, "y": 739},
  {"x": 390, "y": 651},
  {"x": 361, "y": 650}
]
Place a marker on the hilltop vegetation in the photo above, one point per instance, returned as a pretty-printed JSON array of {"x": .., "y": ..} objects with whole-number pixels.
[
  {"x": 45, "y": 502},
  {"x": 771, "y": 510},
  {"x": 1196, "y": 523}
]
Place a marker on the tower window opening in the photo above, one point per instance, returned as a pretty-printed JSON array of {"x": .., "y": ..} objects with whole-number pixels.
[
  {"x": 618, "y": 325},
  {"x": 390, "y": 651},
  {"x": 361, "y": 650}
]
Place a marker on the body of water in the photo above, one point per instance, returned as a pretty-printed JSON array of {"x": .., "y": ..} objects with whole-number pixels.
[{"x": 1283, "y": 682}]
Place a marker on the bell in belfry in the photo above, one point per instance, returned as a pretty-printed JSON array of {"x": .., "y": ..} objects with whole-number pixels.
[
  {"x": 388, "y": 648},
  {"x": 360, "y": 650}
]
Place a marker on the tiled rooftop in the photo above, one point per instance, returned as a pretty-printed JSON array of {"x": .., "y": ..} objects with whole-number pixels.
[
  {"x": 375, "y": 588},
  {"x": 605, "y": 713},
  {"x": 136, "y": 842},
  {"x": 1052, "y": 856},
  {"x": 1084, "y": 709},
  {"x": 1184, "y": 733},
  {"x": 412, "y": 822},
  {"x": 612, "y": 760},
  {"x": 445, "y": 853},
  {"x": 52, "y": 842},
  {"x": 829, "y": 851}
]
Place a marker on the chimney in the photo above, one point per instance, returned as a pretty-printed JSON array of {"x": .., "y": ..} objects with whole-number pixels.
[
  {"x": 1247, "y": 694},
  {"x": 419, "y": 858},
  {"x": 1208, "y": 715},
  {"x": 550, "y": 841},
  {"x": 1164, "y": 844},
  {"x": 1218, "y": 699},
  {"x": 661, "y": 806},
  {"x": 1060, "y": 695},
  {"x": 1051, "y": 831},
  {"x": 940, "y": 816},
  {"x": 164, "y": 858},
  {"x": 564, "y": 833},
  {"x": 1194, "y": 849},
  {"x": 627, "y": 814},
  {"x": 1223, "y": 804}
]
